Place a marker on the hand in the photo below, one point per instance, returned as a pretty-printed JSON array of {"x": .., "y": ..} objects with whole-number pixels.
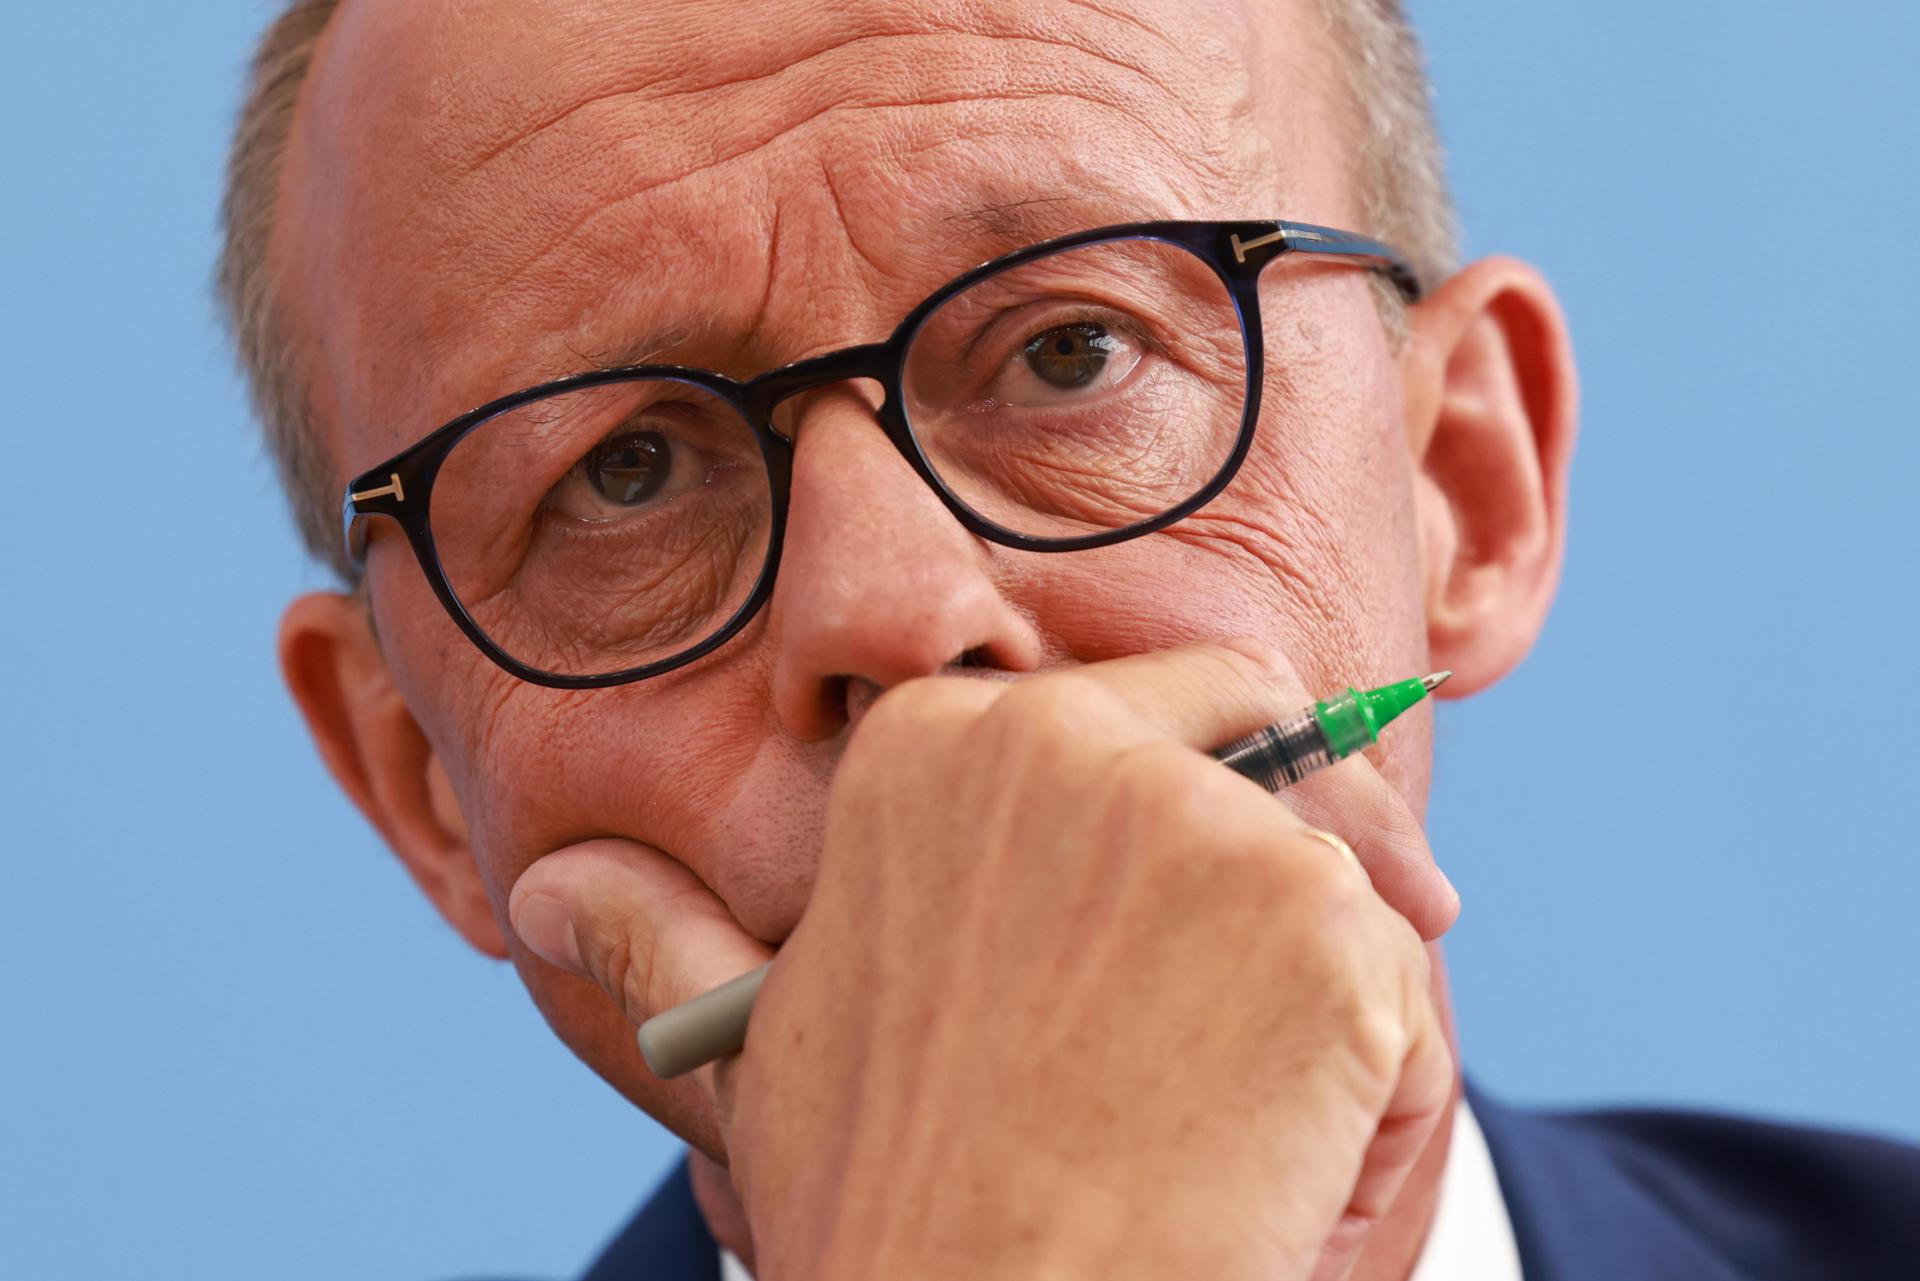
[{"x": 1069, "y": 998}]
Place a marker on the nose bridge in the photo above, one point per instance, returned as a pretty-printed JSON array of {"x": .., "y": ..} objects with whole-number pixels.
[
  {"x": 872, "y": 361},
  {"x": 878, "y": 580}
]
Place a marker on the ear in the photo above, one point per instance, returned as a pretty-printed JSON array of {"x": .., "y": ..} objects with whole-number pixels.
[
  {"x": 1492, "y": 405},
  {"x": 381, "y": 758}
]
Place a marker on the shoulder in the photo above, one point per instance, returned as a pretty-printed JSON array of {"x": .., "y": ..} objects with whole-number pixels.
[
  {"x": 1737, "y": 1195},
  {"x": 667, "y": 1239}
]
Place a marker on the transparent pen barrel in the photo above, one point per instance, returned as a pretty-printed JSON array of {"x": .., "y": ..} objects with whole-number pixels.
[{"x": 1279, "y": 755}]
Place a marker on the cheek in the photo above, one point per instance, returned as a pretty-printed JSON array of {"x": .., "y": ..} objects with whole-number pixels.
[
  {"x": 500, "y": 740},
  {"x": 681, "y": 762},
  {"x": 1312, "y": 547}
]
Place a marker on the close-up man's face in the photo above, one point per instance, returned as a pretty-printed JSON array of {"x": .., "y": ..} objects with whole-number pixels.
[{"x": 481, "y": 197}]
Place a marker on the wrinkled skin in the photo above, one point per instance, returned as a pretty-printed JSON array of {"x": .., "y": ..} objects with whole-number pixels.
[{"x": 479, "y": 196}]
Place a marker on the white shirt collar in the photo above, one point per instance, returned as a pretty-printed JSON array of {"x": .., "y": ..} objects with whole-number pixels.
[{"x": 1471, "y": 1238}]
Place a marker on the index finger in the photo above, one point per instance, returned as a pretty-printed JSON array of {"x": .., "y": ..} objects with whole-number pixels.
[{"x": 1208, "y": 693}]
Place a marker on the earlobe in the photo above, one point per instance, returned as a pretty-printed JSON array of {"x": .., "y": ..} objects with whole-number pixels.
[
  {"x": 1492, "y": 410},
  {"x": 381, "y": 758}
]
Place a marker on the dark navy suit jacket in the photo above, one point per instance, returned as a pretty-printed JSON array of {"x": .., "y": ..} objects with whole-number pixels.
[{"x": 1620, "y": 1195}]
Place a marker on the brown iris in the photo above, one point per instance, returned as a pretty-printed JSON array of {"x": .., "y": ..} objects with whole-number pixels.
[
  {"x": 1070, "y": 356},
  {"x": 630, "y": 468}
]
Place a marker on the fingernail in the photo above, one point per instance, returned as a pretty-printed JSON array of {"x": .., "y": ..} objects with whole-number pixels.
[{"x": 544, "y": 926}]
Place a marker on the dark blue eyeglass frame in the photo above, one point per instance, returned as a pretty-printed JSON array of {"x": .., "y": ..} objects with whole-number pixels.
[{"x": 402, "y": 486}]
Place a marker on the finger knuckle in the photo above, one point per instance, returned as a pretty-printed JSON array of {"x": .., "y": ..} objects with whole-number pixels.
[
  {"x": 1161, "y": 787},
  {"x": 1362, "y": 1017},
  {"x": 1371, "y": 971},
  {"x": 1377, "y": 1039},
  {"x": 1044, "y": 728},
  {"x": 1328, "y": 891},
  {"x": 1206, "y": 842},
  {"x": 626, "y": 972},
  {"x": 1057, "y": 703},
  {"x": 1254, "y": 659}
]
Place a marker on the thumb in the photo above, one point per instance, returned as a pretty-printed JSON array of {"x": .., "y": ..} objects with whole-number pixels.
[{"x": 637, "y": 922}]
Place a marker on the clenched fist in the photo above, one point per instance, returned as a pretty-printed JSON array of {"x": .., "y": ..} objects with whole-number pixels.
[{"x": 1070, "y": 998}]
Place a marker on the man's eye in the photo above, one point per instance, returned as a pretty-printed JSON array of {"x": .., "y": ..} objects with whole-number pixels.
[
  {"x": 1070, "y": 356},
  {"x": 631, "y": 468},
  {"x": 1063, "y": 363},
  {"x": 635, "y": 471}
]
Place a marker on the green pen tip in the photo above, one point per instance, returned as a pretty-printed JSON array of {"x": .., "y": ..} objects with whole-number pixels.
[{"x": 1352, "y": 722}]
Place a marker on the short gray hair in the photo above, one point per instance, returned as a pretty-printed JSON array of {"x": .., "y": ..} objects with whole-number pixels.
[
  {"x": 1401, "y": 174},
  {"x": 1400, "y": 166}
]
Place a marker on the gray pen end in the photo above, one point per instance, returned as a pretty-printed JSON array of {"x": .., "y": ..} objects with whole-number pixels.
[{"x": 701, "y": 1031}]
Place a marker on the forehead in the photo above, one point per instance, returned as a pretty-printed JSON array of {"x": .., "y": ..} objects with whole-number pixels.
[{"x": 483, "y": 194}]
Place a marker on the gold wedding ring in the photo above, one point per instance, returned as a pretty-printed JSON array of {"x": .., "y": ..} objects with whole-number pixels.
[{"x": 1334, "y": 843}]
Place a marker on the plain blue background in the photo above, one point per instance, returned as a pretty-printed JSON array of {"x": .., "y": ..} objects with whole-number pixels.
[{"x": 237, "y": 1042}]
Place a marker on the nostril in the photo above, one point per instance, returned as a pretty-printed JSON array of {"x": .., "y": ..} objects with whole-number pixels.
[{"x": 856, "y": 694}]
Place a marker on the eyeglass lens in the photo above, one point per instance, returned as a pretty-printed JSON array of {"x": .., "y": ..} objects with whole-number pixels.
[{"x": 1081, "y": 393}]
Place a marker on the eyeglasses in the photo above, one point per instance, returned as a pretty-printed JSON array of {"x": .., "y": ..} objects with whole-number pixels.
[{"x": 617, "y": 524}]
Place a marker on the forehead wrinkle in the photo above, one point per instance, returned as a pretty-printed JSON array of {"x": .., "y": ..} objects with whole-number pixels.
[
  {"x": 580, "y": 222},
  {"x": 521, "y": 136},
  {"x": 1121, "y": 14},
  {"x": 997, "y": 225},
  {"x": 1176, "y": 104},
  {"x": 548, "y": 60},
  {"x": 999, "y": 220}
]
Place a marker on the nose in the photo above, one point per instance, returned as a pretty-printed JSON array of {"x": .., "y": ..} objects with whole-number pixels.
[{"x": 878, "y": 583}]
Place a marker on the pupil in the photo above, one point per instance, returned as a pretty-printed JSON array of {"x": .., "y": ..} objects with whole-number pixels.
[
  {"x": 630, "y": 469},
  {"x": 1071, "y": 356}
]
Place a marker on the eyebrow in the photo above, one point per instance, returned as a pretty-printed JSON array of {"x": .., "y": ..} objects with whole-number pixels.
[
  {"x": 640, "y": 349},
  {"x": 1021, "y": 222},
  {"x": 1003, "y": 226}
]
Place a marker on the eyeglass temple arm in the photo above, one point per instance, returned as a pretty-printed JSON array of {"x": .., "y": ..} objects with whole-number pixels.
[
  {"x": 367, "y": 496},
  {"x": 1302, "y": 237}
]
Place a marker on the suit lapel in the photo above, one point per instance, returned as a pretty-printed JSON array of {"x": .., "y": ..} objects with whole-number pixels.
[
  {"x": 667, "y": 1240},
  {"x": 1585, "y": 1207}
]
